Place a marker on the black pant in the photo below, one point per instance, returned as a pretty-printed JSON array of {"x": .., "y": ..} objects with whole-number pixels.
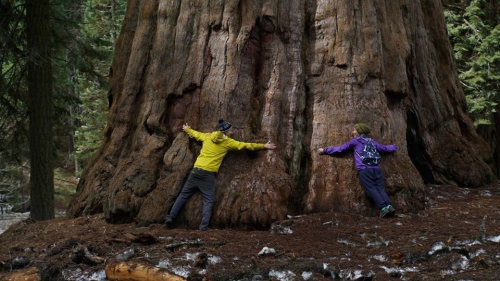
[
  {"x": 373, "y": 184},
  {"x": 198, "y": 180}
]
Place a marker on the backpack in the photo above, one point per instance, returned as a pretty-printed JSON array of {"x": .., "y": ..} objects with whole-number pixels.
[{"x": 370, "y": 155}]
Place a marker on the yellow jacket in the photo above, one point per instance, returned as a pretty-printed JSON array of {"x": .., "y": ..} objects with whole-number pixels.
[{"x": 214, "y": 148}]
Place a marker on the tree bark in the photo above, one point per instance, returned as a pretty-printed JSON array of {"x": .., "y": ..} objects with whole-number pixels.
[
  {"x": 138, "y": 272},
  {"x": 40, "y": 109},
  {"x": 28, "y": 274},
  {"x": 298, "y": 73}
]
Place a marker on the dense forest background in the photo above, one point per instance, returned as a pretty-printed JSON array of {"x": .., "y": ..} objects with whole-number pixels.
[{"x": 82, "y": 39}]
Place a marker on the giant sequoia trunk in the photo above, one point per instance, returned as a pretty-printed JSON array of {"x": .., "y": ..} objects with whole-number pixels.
[{"x": 299, "y": 73}]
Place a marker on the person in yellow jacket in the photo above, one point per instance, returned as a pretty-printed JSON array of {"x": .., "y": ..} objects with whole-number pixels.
[{"x": 202, "y": 177}]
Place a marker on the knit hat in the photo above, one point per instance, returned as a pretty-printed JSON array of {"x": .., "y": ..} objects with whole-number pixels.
[
  {"x": 362, "y": 128},
  {"x": 224, "y": 125}
]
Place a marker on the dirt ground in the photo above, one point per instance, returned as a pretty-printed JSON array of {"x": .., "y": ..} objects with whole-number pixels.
[{"x": 457, "y": 237}]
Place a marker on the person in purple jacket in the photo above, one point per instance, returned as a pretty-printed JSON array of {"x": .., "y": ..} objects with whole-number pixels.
[{"x": 370, "y": 176}]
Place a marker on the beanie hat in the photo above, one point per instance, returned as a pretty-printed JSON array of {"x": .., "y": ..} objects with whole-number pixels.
[
  {"x": 224, "y": 125},
  {"x": 362, "y": 128}
]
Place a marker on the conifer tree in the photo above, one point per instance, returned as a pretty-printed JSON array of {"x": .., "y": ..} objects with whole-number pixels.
[
  {"x": 475, "y": 35},
  {"x": 100, "y": 27},
  {"x": 40, "y": 109}
]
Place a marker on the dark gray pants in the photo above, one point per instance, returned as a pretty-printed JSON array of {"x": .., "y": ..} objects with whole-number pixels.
[
  {"x": 373, "y": 184},
  {"x": 198, "y": 180}
]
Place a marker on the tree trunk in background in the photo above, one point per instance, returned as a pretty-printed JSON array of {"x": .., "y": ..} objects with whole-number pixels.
[
  {"x": 490, "y": 135},
  {"x": 298, "y": 73},
  {"x": 40, "y": 109}
]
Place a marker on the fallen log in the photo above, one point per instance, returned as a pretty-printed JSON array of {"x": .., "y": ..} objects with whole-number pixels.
[
  {"x": 29, "y": 274},
  {"x": 138, "y": 272}
]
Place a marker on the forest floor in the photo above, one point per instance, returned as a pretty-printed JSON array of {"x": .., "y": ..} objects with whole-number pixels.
[{"x": 457, "y": 237}]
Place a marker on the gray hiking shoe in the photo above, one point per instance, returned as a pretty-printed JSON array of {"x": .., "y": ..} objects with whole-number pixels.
[
  {"x": 392, "y": 211},
  {"x": 168, "y": 221},
  {"x": 387, "y": 211},
  {"x": 384, "y": 212}
]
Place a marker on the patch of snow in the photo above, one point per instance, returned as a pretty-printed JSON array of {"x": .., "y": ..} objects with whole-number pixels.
[
  {"x": 166, "y": 238},
  {"x": 461, "y": 264},
  {"x": 8, "y": 219},
  {"x": 477, "y": 253},
  {"x": 76, "y": 274},
  {"x": 126, "y": 255},
  {"x": 285, "y": 230},
  {"x": 306, "y": 275},
  {"x": 191, "y": 256},
  {"x": 182, "y": 271},
  {"x": 349, "y": 274},
  {"x": 282, "y": 275},
  {"x": 448, "y": 272},
  {"x": 468, "y": 242},
  {"x": 377, "y": 243},
  {"x": 346, "y": 242},
  {"x": 486, "y": 193},
  {"x": 495, "y": 239},
  {"x": 294, "y": 217},
  {"x": 214, "y": 259},
  {"x": 164, "y": 264},
  {"x": 392, "y": 270},
  {"x": 266, "y": 251},
  {"x": 378, "y": 257},
  {"x": 437, "y": 247}
]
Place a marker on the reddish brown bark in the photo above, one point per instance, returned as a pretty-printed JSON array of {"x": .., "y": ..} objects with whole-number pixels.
[{"x": 298, "y": 73}]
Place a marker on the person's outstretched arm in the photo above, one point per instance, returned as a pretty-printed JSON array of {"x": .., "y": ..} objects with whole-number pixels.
[
  {"x": 385, "y": 148},
  {"x": 269, "y": 145},
  {"x": 238, "y": 145},
  {"x": 337, "y": 149},
  {"x": 193, "y": 133}
]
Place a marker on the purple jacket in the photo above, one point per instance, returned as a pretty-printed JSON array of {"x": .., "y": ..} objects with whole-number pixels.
[{"x": 356, "y": 144}]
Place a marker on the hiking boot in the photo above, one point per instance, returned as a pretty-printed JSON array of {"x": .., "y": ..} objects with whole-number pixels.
[
  {"x": 168, "y": 221},
  {"x": 392, "y": 211},
  {"x": 385, "y": 211}
]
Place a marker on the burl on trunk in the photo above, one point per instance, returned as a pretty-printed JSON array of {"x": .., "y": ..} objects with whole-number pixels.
[{"x": 297, "y": 73}]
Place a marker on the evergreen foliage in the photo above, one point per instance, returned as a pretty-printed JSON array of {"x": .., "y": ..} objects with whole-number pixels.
[
  {"x": 82, "y": 38},
  {"x": 13, "y": 85},
  {"x": 100, "y": 28},
  {"x": 475, "y": 35}
]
